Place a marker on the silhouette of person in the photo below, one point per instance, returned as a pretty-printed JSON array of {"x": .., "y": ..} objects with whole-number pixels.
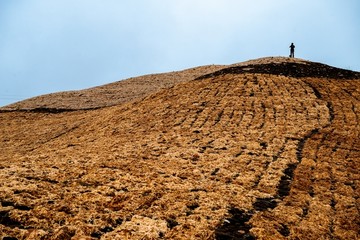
[{"x": 292, "y": 50}]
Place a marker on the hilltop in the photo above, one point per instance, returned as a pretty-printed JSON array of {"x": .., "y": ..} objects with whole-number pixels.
[{"x": 264, "y": 149}]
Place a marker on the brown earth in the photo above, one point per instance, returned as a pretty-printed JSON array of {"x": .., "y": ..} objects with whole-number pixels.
[{"x": 266, "y": 149}]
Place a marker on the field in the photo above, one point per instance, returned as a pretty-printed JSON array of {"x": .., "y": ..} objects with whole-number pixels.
[{"x": 267, "y": 149}]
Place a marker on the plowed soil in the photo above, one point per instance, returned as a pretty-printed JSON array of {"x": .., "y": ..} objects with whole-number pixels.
[{"x": 267, "y": 149}]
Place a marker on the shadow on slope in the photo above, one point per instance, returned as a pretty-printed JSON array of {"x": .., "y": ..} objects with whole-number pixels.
[{"x": 290, "y": 69}]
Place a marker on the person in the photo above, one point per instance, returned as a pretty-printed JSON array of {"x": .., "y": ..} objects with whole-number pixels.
[{"x": 292, "y": 50}]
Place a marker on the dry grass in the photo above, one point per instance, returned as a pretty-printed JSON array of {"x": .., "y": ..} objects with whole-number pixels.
[{"x": 254, "y": 156}]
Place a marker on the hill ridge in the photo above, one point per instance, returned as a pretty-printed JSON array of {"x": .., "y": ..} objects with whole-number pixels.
[{"x": 138, "y": 87}]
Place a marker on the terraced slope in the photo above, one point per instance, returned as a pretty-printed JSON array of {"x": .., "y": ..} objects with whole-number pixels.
[{"x": 253, "y": 151}]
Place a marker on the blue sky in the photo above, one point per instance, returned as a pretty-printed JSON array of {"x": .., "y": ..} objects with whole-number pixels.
[{"x": 58, "y": 45}]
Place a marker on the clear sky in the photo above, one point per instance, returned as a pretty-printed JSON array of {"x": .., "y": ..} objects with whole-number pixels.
[{"x": 58, "y": 45}]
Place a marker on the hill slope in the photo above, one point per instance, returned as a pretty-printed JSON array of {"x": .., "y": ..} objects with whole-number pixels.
[{"x": 267, "y": 149}]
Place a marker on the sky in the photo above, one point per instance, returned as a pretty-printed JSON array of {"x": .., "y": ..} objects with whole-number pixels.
[{"x": 60, "y": 45}]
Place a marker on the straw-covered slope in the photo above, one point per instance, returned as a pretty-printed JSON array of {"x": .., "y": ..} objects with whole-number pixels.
[{"x": 267, "y": 149}]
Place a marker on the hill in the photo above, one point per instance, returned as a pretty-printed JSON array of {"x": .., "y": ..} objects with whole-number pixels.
[{"x": 265, "y": 149}]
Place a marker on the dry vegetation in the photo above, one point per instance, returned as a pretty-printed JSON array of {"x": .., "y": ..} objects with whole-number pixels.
[{"x": 245, "y": 152}]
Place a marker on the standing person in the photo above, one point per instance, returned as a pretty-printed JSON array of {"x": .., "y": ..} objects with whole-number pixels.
[{"x": 292, "y": 50}]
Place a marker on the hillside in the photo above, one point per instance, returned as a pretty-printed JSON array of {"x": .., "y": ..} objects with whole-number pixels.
[{"x": 265, "y": 149}]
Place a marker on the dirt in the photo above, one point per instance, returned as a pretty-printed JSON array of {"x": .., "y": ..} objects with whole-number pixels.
[{"x": 266, "y": 149}]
